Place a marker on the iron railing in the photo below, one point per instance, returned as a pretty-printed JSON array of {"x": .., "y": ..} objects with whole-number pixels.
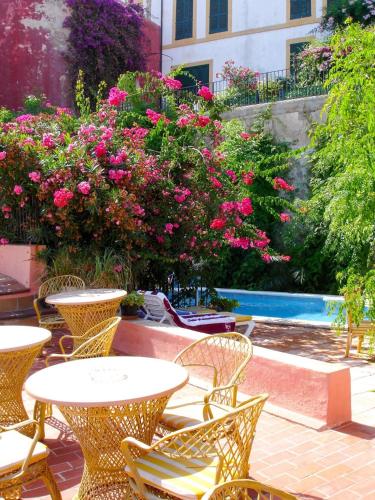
[
  {"x": 23, "y": 226},
  {"x": 267, "y": 87}
]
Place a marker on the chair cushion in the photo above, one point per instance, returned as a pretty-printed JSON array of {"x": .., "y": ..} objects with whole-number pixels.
[
  {"x": 185, "y": 478},
  {"x": 188, "y": 413},
  {"x": 14, "y": 448}
]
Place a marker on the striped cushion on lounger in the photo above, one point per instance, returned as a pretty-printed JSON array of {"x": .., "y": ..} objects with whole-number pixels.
[
  {"x": 184, "y": 478},
  {"x": 189, "y": 413}
]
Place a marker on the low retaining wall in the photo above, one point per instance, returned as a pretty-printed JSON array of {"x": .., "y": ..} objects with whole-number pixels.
[
  {"x": 307, "y": 391},
  {"x": 19, "y": 262}
]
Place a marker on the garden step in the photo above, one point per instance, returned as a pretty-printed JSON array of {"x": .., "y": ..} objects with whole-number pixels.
[
  {"x": 9, "y": 285},
  {"x": 14, "y": 317}
]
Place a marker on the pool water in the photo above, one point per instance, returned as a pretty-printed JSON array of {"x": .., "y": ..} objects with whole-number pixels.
[{"x": 304, "y": 308}]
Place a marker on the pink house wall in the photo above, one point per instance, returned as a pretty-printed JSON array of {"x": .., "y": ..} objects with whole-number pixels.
[
  {"x": 305, "y": 390},
  {"x": 32, "y": 43},
  {"x": 20, "y": 262}
]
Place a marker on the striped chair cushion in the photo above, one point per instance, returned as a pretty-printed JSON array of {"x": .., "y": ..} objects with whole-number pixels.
[
  {"x": 183, "y": 478},
  {"x": 188, "y": 413}
]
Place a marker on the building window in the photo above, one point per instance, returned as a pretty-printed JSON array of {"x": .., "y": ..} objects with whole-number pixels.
[
  {"x": 218, "y": 16},
  {"x": 300, "y": 8},
  {"x": 184, "y": 19},
  {"x": 196, "y": 74},
  {"x": 294, "y": 50}
]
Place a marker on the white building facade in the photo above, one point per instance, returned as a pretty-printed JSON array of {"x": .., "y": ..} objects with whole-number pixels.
[{"x": 260, "y": 34}]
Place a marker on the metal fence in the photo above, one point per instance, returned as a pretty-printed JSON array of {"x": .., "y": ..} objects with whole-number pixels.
[
  {"x": 24, "y": 225},
  {"x": 267, "y": 87}
]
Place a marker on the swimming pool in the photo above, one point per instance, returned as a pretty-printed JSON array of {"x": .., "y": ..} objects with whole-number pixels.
[{"x": 299, "y": 308}]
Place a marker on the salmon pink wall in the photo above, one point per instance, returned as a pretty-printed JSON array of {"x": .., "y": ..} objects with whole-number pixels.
[
  {"x": 32, "y": 43},
  {"x": 21, "y": 263}
]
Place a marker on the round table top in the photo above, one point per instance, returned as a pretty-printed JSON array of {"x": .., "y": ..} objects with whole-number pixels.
[
  {"x": 17, "y": 338},
  {"x": 98, "y": 382},
  {"x": 85, "y": 296}
]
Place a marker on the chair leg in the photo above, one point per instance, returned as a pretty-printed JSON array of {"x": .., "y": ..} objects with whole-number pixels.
[
  {"x": 348, "y": 344},
  {"x": 41, "y": 412},
  {"x": 51, "y": 484}
]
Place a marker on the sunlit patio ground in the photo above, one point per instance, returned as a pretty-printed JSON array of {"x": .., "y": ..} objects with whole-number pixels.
[{"x": 334, "y": 464}]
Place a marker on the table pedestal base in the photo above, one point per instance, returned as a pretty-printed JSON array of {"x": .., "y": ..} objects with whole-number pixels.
[{"x": 100, "y": 432}]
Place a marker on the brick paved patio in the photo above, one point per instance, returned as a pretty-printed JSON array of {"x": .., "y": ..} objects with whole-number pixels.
[{"x": 334, "y": 464}]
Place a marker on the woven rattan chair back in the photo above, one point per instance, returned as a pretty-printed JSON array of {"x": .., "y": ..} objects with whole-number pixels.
[
  {"x": 60, "y": 284},
  {"x": 245, "y": 489},
  {"x": 222, "y": 358},
  {"x": 227, "y": 439},
  {"x": 99, "y": 340}
]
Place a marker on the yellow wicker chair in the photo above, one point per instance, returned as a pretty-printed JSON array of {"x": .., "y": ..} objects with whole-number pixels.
[
  {"x": 97, "y": 342},
  {"x": 222, "y": 358},
  {"x": 188, "y": 462},
  {"x": 22, "y": 461},
  {"x": 245, "y": 489},
  {"x": 46, "y": 318},
  {"x": 357, "y": 331}
]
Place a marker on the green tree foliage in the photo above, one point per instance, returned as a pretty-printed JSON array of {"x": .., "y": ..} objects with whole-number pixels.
[
  {"x": 338, "y": 11},
  {"x": 343, "y": 182}
]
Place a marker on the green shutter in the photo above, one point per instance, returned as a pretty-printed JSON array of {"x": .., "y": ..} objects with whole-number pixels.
[
  {"x": 199, "y": 73},
  {"x": 218, "y": 16},
  {"x": 184, "y": 19},
  {"x": 300, "y": 9}
]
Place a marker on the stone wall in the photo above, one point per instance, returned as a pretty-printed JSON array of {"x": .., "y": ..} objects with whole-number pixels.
[{"x": 289, "y": 122}]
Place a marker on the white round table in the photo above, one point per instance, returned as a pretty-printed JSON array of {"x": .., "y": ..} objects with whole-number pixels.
[
  {"x": 19, "y": 346},
  {"x": 83, "y": 309},
  {"x": 105, "y": 400}
]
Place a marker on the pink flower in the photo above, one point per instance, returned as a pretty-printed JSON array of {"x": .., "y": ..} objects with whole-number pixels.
[
  {"x": 218, "y": 223},
  {"x": 6, "y": 211},
  {"x": 117, "y": 268},
  {"x": 169, "y": 228},
  {"x": 183, "y": 121},
  {"x": 266, "y": 257},
  {"x": 155, "y": 117},
  {"x": 285, "y": 258},
  {"x": 4, "y": 241},
  {"x": 84, "y": 187},
  {"x": 248, "y": 178},
  {"x": 229, "y": 206},
  {"x": 171, "y": 83},
  {"x": 284, "y": 217},
  {"x": 207, "y": 153},
  {"x": 35, "y": 176},
  {"x": 48, "y": 141},
  {"x": 203, "y": 121},
  {"x": 216, "y": 183},
  {"x": 117, "y": 175},
  {"x": 100, "y": 150},
  {"x": 279, "y": 183},
  {"x": 245, "y": 136},
  {"x": 61, "y": 197},
  {"x": 17, "y": 190},
  {"x": 160, "y": 239},
  {"x": 206, "y": 93},
  {"x": 116, "y": 96},
  {"x": 245, "y": 207},
  {"x": 24, "y": 118},
  {"x": 232, "y": 175},
  {"x": 3, "y": 155}
]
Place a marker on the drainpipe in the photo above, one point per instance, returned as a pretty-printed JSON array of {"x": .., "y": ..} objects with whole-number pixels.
[{"x": 161, "y": 35}]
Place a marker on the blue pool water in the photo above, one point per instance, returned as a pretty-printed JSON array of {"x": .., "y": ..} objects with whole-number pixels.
[{"x": 288, "y": 306}]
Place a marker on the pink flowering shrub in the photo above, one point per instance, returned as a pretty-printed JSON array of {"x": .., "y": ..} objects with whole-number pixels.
[
  {"x": 171, "y": 186},
  {"x": 238, "y": 77}
]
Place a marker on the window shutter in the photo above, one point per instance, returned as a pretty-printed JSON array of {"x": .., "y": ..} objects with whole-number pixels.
[{"x": 184, "y": 19}]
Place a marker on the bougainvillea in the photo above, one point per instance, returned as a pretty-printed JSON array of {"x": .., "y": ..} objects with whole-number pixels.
[
  {"x": 105, "y": 39},
  {"x": 165, "y": 187}
]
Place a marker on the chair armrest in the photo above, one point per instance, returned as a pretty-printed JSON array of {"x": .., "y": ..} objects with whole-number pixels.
[
  {"x": 226, "y": 393},
  {"x": 34, "y": 442}
]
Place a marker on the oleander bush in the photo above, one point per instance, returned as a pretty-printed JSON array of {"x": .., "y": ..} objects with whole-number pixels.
[{"x": 170, "y": 188}]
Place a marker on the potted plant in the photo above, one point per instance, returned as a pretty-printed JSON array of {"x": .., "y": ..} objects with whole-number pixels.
[
  {"x": 222, "y": 303},
  {"x": 130, "y": 305}
]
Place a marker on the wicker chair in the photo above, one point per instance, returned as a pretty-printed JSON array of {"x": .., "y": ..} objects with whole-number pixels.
[
  {"x": 22, "y": 461},
  {"x": 357, "y": 331},
  {"x": 245, "y": 489},
  {"x": 187, "y": 463},
  {"x": 47, "y": 316},
  {"x": 222, "y": 358},
  {"x": 97, "y": 342}
]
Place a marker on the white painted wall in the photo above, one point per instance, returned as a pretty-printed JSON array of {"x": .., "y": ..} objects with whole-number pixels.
[{"x": 262, "y": 51}]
